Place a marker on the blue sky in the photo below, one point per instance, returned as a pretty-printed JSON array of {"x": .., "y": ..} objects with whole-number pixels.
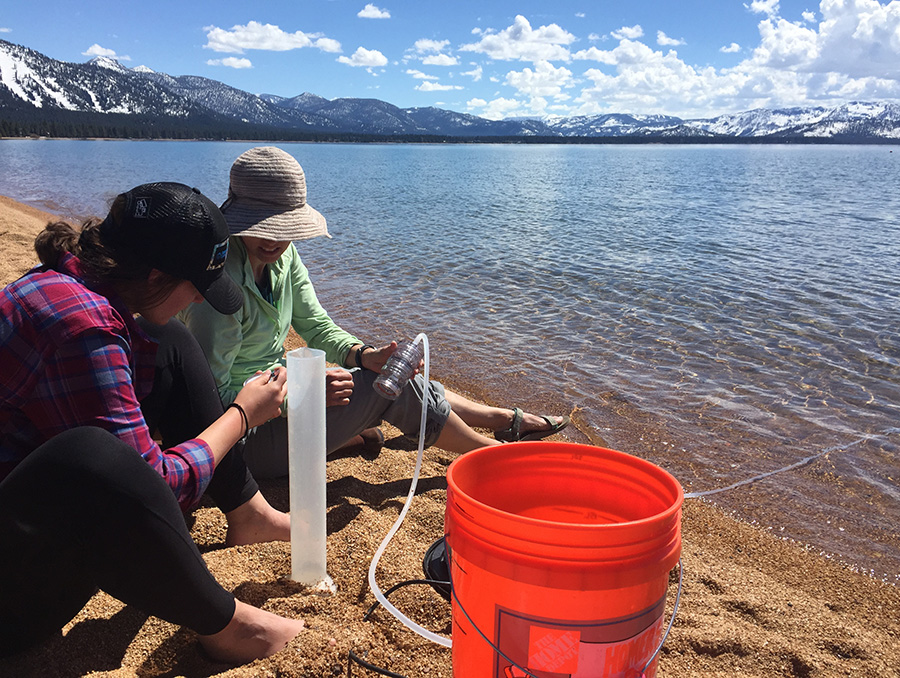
[{"x": 494, "y": 58}]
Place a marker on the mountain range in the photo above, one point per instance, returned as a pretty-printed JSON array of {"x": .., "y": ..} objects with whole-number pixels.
[{"x": 40, "y": 95}]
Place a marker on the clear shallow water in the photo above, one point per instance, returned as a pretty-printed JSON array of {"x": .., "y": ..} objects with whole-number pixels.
[{"x": 737, "y": 305}]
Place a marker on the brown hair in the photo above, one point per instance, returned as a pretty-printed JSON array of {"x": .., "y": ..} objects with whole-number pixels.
[{"x": 124, "y": 272}]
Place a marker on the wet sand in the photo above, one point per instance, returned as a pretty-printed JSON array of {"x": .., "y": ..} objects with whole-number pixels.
[{"x": 752, "y": 604}]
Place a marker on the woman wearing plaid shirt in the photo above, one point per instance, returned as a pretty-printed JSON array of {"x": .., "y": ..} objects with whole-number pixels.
[{"x": 88, "y": 499}]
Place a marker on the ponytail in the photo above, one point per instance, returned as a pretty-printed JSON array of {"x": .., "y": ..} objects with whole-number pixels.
[
  {"x": 57, "y": 238},
  {"x": 100, "y": 264}
]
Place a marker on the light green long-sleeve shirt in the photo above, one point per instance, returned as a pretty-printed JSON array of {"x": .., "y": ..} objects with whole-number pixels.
[{"x": 252, "y": 339}]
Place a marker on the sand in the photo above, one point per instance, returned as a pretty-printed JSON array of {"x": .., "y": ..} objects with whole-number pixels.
[{"x": 752, "y": 604}]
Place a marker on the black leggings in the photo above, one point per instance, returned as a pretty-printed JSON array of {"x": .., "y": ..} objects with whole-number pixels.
[
  {"x": 184, "y": 401},
  {"x": 85, "y": 511}
]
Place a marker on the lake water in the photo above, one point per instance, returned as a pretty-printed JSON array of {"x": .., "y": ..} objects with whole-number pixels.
[{"x": 725, "y": 312}]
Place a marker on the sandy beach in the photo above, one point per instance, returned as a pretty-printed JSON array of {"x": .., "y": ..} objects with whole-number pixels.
[{"x": 752, "y": 604}]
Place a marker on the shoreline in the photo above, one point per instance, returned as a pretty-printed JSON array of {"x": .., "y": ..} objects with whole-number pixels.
[{"x": 752, "y": 604}]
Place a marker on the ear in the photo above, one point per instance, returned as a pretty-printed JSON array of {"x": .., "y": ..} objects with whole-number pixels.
[{"x": 156, "y": 275}]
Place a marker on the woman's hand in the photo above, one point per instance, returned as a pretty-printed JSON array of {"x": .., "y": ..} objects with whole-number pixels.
[
  {"x": 375, "y": 360},
  {"x": 262, "y": 396},
  {"x": 338, "y": 386}
]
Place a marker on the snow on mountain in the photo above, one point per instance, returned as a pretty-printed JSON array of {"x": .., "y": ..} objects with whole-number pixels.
[
  {"x": 18, "y": 75},
  {"x": 238, "y": 104},
  {"x": 610, "y": 124},
  {"x": 851, "y": 119},
  {"x": 759, "y": 122},
  {"x": 451, "y": 123},
  {"x": 99, "y": 86},
  {"x": 303, "y": 102},
  {"x": 271, "y": 98},
  {"x": 106, "y": 62},
  {"x": 30, "y": 81}
]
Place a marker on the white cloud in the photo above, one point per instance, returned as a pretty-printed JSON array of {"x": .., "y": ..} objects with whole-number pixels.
[
  {"x": 860, "y": 39},
  {"x": 520, "y": 42},
  {"x": 809, "y": 17},
  {"x": 665, "y": 41},
  {"x": 230, "y": 62},
  {"x": 594, "y": 37},
  {"x": 369, "y": 58},
  {"x": 595, "y": 54},
  {"x": 544, "y": 81},
  {"x": 628, "y": 33},
  {"x": 580, "y": 15},
  {"x": 5, "y": 30},
  {"x": 785, "y": 45},
  {"x": 856, "y": 44},
  {"x": 440, "y": 60},
  {"x": 267, "y": 37},
  {"x": 424, "y": 45},
  {"x": 852, "y": 53},
  {"x": 476, "y": 73},
  {"x": 96, "y": 50},
  {"x": 769, "y": 7},
  {"x": 435, "y": 87},
  {"x": 650, "y": 81},
  {"x": 327, "y": 45},
  {"x": 420, "y": 75},
  {"x": 370, "y": 11},
  {"x": 498, "y": 108}
]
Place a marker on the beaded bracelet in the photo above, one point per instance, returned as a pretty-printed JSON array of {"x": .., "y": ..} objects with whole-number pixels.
[{"x": 240, "y": 409}]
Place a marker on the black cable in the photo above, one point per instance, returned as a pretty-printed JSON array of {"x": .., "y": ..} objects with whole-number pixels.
[
  {"x": 430, "y": 582},
  {"x": 352, "y": 657}
]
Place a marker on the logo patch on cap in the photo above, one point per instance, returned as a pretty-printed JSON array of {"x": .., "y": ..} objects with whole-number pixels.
[
  {"x": 141, "y": 208},
  {"x": 220, "y": 252}
]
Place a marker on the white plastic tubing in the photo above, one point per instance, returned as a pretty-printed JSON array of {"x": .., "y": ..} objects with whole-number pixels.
[
  {"x": 306, "y": 465},
  {"x": 379, "y": 596}
]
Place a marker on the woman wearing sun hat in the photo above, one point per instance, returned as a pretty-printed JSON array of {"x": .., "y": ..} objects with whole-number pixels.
[
  {"x": 266, "y": 211},
  {"x": 88, "y": 499}
]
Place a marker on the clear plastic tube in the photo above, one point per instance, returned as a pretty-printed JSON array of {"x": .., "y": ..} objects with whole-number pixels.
[
  {"x": 306, "y": 467},
  {"x": 379, "y": 596},
  {"x": 398, "y": 370}
]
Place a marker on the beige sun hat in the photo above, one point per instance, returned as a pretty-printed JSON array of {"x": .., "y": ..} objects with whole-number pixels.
[{"x": 267, "y": 198}]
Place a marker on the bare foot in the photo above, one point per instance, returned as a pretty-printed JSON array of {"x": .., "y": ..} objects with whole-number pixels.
[
  {"x": 533, "y": 422},
  {"x": 255, "y": 522},
  {"x": 370, "y": 441},
  {"x": 251, "y": 634}
]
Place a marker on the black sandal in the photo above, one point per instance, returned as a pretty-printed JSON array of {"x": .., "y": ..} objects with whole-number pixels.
[{"x": 512, "y": 433}]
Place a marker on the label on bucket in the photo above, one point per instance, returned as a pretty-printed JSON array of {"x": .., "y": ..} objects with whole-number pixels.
[{"x": 552, "y": 648}]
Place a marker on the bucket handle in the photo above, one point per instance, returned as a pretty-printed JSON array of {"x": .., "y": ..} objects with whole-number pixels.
[
  {"x": 662, "y": 640},
  {"x": 529, "y": 673}
]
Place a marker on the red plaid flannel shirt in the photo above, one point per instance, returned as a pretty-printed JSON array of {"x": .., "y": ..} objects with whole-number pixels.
[{"x": 69, "y": 357}]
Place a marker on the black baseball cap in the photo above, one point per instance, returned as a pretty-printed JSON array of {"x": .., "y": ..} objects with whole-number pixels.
[{"x": 177, "y": 230}]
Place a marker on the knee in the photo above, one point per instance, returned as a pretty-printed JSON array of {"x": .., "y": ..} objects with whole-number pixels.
[
  {"x": 74, "y": 442},
  {"x": 86, "y": 450},
  {"x": 174, "y": 338}
]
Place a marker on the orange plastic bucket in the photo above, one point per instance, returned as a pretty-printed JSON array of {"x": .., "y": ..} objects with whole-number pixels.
[{"x": 559, "y": 560}]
